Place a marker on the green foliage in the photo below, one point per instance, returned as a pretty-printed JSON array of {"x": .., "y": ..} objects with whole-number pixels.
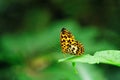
[
  {"x": 30, "y": 32},
  {"x": 108, "y": 57}
]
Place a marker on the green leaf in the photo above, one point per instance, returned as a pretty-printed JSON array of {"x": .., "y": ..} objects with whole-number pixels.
[{"x": 108, "y": 57}]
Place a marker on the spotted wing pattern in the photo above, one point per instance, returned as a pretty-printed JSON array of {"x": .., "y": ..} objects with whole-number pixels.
[{"x": 68, "y": 43}]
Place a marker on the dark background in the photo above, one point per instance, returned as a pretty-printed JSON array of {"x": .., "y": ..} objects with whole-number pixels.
[{"x": 30, "y": 31}]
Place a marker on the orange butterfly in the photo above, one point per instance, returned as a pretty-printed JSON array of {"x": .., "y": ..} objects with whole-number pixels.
[{"x": 68, "y": 43}]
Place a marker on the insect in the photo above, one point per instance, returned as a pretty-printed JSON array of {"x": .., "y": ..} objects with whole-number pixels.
[{"x": 68, "y": 43}]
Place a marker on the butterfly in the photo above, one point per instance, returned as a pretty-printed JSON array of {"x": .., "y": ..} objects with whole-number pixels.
[{"x": 68, "y": 43}]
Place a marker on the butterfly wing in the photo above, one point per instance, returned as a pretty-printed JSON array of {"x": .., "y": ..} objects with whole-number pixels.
[
  {"x": 69, "y": 44},
  {"x": 65, "y": 38}
]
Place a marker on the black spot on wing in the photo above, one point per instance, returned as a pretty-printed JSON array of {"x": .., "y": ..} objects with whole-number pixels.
[
  {"x": 65, "y": 37},
  {"x": 63, "y": 40},
  {"x": 68, "y": 41},
  {"x": 62, "y": 36}
]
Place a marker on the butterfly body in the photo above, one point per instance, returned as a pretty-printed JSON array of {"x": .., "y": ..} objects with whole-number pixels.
[{"x": 68, "y": 43}]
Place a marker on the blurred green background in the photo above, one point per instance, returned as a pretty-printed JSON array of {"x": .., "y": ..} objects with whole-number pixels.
[{"x": 30, "y": 32}]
